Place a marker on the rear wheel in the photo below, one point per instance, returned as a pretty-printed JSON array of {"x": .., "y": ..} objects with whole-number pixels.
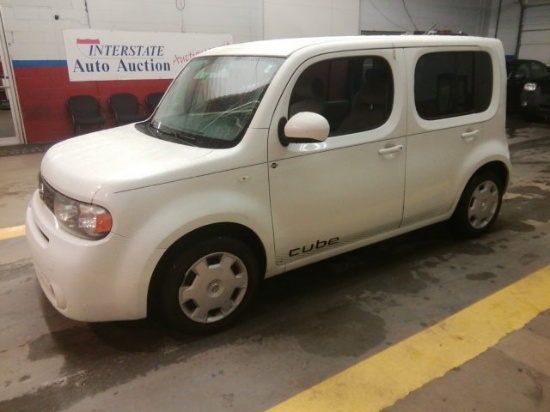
[
  {"x": 209, "y": 284},
  {"x": 479, "y": 205}
]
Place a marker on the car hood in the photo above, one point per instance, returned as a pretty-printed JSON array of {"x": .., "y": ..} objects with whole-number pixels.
[{"x": 120, "y": 159}]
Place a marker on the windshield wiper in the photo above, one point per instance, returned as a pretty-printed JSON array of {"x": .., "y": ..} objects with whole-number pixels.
[{"x": 176, "y": 137}]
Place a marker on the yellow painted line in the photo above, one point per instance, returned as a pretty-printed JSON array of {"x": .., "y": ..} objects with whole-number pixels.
[
  {"x": 11, "y": 232},
  {"x": 383, "y": 379}
]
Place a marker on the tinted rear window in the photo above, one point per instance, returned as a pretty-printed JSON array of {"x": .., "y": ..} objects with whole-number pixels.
[{"x": 450, "y": 84}]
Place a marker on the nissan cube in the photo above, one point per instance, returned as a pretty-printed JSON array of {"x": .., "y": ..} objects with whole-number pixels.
[{"x": 264, "y": 157}]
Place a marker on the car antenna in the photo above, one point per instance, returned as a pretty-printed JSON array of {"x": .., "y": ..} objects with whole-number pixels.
[{"x": 433, "y": 26}]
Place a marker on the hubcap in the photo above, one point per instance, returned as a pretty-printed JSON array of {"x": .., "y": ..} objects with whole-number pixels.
[
  {"x": 213, "y": 287},
  {"x": 483, "y": 204}
]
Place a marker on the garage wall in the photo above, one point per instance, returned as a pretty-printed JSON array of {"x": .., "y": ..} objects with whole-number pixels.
[
  {"x": 307, "y": 18},
  {"x": 535, "y": 36},
  {"x": 241, "y": 18},
  {"x": 35, "y": 27},
  {"x": 509, "y": 25},
  {"x": 470, "y": 16},
  {"x": 34, "y": 32}
]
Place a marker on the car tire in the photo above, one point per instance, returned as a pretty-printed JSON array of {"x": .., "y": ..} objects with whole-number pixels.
[
  {"x": 209, "y": 284},
  {"x": 479, "y": 205}
]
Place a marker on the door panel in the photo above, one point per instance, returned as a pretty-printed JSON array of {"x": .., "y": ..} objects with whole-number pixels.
[
  {"x": 435, "y": 172},
  {"x": 342, "y": 192},
  {"x": 349, "y": 188},
  {"x": 330, "y": 198},
  {"x": 452, "y": 116}
]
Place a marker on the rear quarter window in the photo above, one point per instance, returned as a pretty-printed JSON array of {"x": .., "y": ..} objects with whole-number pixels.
[{"x": 451, "y": 84}]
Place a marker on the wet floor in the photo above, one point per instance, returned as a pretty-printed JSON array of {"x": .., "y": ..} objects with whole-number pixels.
[{"x": 306, "y": 326}]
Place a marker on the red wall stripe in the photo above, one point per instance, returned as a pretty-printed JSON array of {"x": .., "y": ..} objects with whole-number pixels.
[{"x": 43, "y": 92}]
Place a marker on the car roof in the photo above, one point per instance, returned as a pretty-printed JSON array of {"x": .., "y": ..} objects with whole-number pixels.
[{"x": 286, "y": 47}]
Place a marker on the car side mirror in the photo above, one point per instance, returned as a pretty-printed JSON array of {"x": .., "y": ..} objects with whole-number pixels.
[{"x": 303, "y": 127}]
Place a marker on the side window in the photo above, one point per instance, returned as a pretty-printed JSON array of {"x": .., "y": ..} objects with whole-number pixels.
[
  {"x": 354, "y": 94},
  {"x": 450, "y": 84}
]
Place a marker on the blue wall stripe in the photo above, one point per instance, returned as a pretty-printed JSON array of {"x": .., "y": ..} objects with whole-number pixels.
[{"x": 39, "y": 63}]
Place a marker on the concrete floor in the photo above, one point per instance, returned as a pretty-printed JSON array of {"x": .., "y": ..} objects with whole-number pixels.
[{"x": 306, "y": 326}]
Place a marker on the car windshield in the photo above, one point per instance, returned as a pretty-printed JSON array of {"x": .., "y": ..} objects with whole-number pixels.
[{"x": 213, "y": 100}]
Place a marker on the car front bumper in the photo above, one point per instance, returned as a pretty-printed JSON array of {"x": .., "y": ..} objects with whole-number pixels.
[{"x": 85, "y": 280}]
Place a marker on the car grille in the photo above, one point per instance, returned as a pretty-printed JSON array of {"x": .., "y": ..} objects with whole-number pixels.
[
  {"x": 545, "y": 88},
  {"x": 47, "y": 193}
]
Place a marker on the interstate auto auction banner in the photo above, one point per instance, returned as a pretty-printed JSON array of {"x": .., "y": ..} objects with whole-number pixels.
[{"x": 122, "y": 55}]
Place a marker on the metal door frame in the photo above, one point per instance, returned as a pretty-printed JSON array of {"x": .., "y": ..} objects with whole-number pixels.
[{"x": 11, "y": 89}]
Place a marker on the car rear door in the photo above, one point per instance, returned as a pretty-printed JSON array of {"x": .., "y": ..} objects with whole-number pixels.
[{"x": 452, "y": 118}]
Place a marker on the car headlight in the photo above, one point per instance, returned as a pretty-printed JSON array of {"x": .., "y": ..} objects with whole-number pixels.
[
  {"x": 530, "y": 87},
  {"x": 84, "y": 220}
]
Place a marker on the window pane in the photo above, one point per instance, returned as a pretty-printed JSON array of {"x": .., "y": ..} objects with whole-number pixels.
[
  {"x": 450, "y": 84},
  {"x": 214, "y": 98},
  {"x": 353, "y": 94}
]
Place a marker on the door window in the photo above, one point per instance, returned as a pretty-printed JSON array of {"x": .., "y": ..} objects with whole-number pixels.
[{"x": 354, "y": 94}]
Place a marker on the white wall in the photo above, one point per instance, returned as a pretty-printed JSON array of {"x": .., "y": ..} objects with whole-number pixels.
[
  {"x": 241, "y": 18},
  {"x": 508, "y": 26},
  {"x": 469, "y": 16},
  {"x": 534, "y": 42},
  {"x": 535, "y": 37},
  {"x": 33, "y": 32},
  {"x": 306, "y": 18}
]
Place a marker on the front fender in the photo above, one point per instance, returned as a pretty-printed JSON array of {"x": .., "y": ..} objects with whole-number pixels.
[{"x": 153, "y": 218}]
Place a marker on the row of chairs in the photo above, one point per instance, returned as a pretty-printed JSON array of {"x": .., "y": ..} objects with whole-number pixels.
[{"x": 86, "y": 111}]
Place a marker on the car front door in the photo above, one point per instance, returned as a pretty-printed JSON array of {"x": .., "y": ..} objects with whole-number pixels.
[{"x": 348, "y": 189}]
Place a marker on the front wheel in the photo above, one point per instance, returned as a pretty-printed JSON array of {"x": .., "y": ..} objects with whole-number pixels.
[
  {"x": 479, "y": 205},
  {"x": 209, "y": 284}
]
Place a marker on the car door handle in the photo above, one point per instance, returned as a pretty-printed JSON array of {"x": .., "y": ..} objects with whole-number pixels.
[
  {"x": 469, "y": 135},
  {"x": 390, "y": 150}
]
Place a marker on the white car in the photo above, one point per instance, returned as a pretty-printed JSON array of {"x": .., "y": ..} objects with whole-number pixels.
[{"x": 264, "y": 157}]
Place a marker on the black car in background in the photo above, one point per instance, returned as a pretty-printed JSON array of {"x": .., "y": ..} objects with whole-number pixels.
[
  {"x": 535, "y": 99},
  {"x": 522, "y": 72}
]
